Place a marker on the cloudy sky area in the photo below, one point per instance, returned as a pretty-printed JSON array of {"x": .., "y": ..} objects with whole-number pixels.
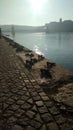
[{"x": 34, "y": 12}]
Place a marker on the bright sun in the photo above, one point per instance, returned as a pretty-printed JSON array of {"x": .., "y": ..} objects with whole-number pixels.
[{"x": 37, "y": 6}]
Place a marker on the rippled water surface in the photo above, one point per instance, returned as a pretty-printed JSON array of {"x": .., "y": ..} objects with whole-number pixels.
[{"x": 56, "y": 47}]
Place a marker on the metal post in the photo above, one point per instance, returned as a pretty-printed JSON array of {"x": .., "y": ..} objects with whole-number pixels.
[
  {"x": 0, "y": 33},
  {"x": 13, "y": 32}
]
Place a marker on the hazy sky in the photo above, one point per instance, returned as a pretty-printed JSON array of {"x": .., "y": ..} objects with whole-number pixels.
[{"x": 34, "y": 12}]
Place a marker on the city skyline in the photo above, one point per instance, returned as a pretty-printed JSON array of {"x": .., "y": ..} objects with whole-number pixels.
[{"x": 34, "y": 12}]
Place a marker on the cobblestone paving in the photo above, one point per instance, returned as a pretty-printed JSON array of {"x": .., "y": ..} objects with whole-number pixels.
[{"x": 23, "y": 104}]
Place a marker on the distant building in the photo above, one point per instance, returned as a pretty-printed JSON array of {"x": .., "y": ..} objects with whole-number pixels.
[{"x": 61, "y": 26}]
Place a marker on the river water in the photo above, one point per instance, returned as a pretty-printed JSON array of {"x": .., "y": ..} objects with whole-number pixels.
[{"x": 58, "y": 47}]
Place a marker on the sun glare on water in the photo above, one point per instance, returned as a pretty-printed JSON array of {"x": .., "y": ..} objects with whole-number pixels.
[{"x": 37, "y": 6}]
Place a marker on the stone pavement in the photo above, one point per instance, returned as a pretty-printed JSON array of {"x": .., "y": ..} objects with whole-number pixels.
[{"x": 23, "y": 103}]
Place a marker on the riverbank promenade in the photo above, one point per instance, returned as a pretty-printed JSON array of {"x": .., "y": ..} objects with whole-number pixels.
[{"x": 23, "y": 103}]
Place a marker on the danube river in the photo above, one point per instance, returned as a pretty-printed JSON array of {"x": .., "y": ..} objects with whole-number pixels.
[{"x": 58, "y": 47}]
